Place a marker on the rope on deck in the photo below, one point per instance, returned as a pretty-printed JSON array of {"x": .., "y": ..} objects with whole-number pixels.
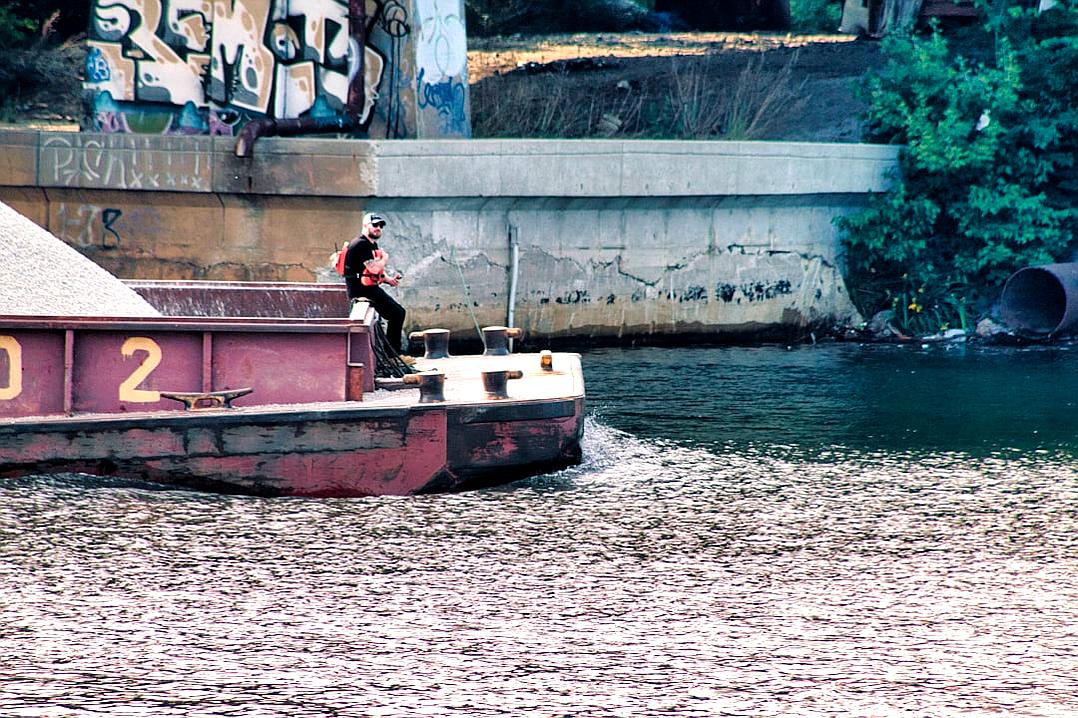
[{"x": 388, "y": 363}]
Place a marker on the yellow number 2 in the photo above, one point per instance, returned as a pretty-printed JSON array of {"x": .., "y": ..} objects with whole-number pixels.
[
  {"x": 11, "y": 347},
  {"x": 128, "y": 390}
]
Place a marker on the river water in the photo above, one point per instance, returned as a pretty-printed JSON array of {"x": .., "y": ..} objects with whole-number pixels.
[{"x": 813, "y": 531}]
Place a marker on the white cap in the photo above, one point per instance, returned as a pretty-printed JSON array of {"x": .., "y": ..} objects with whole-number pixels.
[{"x": 370, "y": 218}]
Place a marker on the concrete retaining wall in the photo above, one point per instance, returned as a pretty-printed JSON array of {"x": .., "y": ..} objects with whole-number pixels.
[{"x": 612, "y": 238}]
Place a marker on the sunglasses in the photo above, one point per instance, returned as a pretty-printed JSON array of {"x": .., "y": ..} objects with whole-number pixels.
[{"x": 379, "y": 225}]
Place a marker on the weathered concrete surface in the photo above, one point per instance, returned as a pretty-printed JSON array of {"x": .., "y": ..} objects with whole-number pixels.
[
  {"x": 587, "y": 268},
  {"x": 627, "y": 168},
  {"x": 612, "y": 238}
]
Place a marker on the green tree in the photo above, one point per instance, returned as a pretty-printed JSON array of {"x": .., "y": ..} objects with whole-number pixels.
[
  {"x": 987, "y": 180},
  {"x": 812, "y": 16},
  {"x": 37, "y": 22},
  {"x": 15, "y": 28}
]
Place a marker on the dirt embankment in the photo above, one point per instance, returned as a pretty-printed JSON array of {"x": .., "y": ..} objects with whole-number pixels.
[
  {"x": 669, "y": 85},
  {"x": 689, "y": 85}
]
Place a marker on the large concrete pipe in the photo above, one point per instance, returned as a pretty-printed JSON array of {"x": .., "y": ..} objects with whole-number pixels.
[{"x": 1042, "y": 301}]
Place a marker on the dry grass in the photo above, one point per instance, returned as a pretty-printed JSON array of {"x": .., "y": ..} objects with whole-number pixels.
[
  {"x": 689, "y": 100},
  {"x": 701, "y": 108},
  {"x": 548, "y": 105}
]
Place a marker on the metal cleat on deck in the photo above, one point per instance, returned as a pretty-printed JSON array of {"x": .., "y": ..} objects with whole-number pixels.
[
  {"x": 435, "y": 342},
  {"x": 496, "y": 339},
  {"x": 431, "y": 385},
  {"x": 198, "y": 400},
  {"x": 495, "y": 383}
]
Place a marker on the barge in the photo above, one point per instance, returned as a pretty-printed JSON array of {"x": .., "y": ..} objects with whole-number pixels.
[{"x": 276, "y": 405}]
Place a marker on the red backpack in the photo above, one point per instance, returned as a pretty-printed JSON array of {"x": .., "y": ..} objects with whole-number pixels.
[{"x": 338, "y": 259}]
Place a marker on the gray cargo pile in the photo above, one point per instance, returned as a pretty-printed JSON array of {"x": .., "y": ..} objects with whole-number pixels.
[{"x": 42, "y": 276}]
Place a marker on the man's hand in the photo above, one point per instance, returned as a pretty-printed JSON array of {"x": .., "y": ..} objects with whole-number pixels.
[{"x": 394, "y": 280}]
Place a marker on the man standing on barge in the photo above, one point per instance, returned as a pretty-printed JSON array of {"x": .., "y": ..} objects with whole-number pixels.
[{"x": 365, "y": 272}]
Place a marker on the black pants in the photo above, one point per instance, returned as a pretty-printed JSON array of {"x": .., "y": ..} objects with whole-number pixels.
[{"x": 386, "y": 307}]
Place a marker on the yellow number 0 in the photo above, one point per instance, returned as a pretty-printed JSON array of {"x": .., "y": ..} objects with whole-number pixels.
[
  {"x": 13, "y": 350},
  {"x": 128, "y": 390}
]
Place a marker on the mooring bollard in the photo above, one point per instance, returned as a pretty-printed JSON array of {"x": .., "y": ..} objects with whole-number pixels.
[
  {"x": 199, "y": 400},
  {"x": 495, "y": 383},
  {"x": 496, "y": 340},
  {"x": 435, "y": 342},
  {"x": 431, "y": 385}
]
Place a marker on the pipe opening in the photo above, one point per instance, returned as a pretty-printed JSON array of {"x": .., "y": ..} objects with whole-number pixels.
[{"x": 1034, "y": 301}]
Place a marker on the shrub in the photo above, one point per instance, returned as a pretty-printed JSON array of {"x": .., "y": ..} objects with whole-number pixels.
[
  {"x": 15, "y": 29},
  {"x": 41, "y": 72},
  {"x": 815, "y": 16},
  {"x": 25, "y": 22},
  {"x": 987, "y": 178}
]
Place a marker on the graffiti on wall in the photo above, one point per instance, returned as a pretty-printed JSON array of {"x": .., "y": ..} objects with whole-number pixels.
[
  {"x": 205, "y": 66},
  {"x": 126, "y": 162},
  {"x": 88, "y": 226},
  {"x": 394, "y": 27},
  {"x": 209, "y": 66},
  {"x": 442, "y": 60}
]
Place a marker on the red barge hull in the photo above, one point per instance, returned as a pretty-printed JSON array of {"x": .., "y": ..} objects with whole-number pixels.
[{"x": 89, "y": 395}]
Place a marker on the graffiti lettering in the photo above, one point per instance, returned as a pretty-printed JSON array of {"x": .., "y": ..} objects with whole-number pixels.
[
  {"x": 108, "y": 217},
  {"x": 394, "y": 23},
  {"x": 220, "y": 60},
  {"x": 753, "y": 291},
  {"x": 759, "y": 291},
  {"x": 447, "y": 99},
  {"x": 241, "y": 67},
  {"x": 442, "y": 58},
  {"x": 577, "y": 296},
  {"x": 691, "y": 294},
  {"x": 441, "y": 51},
  {"x": 76, "y": 224},
  {"x": 122, "y": 30},
  {"x": 87, "y": 226},
  {"x": 97, "y": 69},
  {"x": 211, "y": 66},
  {"x": 119, "y": 162}
]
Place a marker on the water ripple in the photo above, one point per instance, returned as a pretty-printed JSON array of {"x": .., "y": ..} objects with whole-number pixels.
[{"x": 662, "y": 577}]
